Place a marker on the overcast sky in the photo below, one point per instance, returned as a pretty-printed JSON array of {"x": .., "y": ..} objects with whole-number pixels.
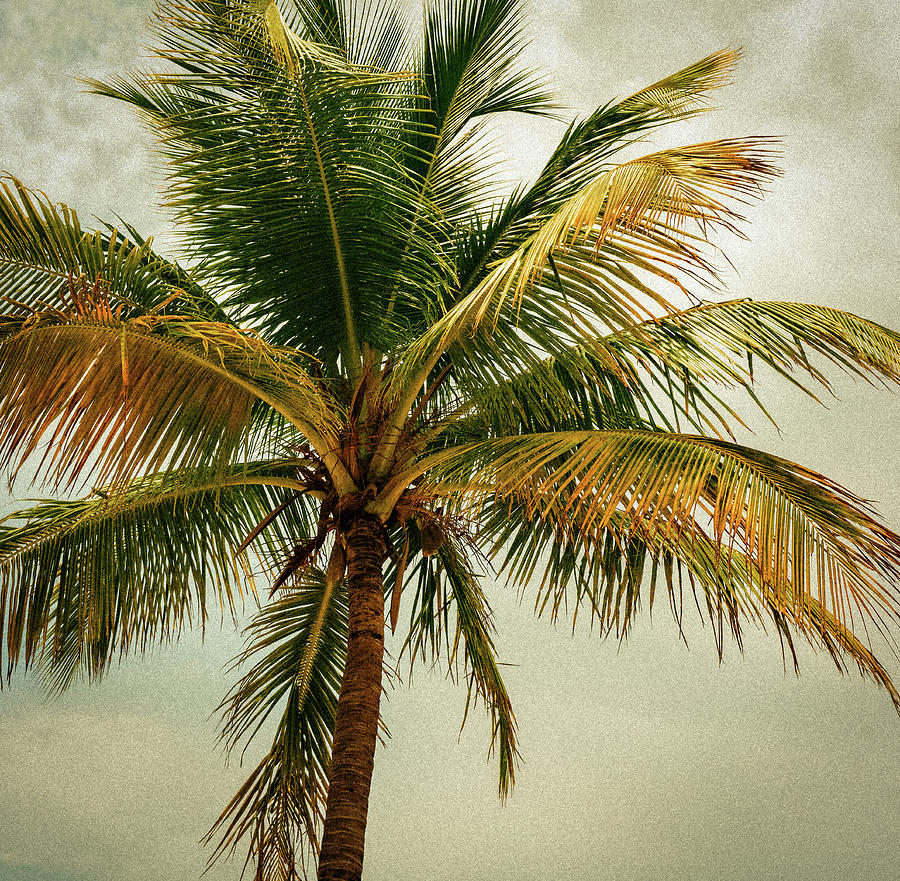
[{"x": 643, "y": 762}]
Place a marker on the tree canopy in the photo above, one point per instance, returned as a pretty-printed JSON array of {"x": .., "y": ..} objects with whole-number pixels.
[{"x": 377, "y": 380}]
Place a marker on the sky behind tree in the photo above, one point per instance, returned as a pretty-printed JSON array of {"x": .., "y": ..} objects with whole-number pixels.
[{"x": 643, "y": 761}]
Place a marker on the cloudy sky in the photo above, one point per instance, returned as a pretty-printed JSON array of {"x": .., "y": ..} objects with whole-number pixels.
[{"x": 642, "y": 762}]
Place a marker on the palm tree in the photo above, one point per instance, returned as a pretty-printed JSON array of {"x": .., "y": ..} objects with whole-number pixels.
[{"x": 378, "y": 373}]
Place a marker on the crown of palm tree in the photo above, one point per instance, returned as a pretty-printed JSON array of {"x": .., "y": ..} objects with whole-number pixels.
[{"x": 381, "y": 372}]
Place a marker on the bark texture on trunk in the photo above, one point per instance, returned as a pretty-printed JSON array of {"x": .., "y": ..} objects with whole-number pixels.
[{"x": 356, "y": 725}]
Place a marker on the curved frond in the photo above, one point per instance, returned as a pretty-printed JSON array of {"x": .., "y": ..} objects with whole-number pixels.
[
  {"x": 84, "y": 581},
  {"x": 368, "y": 33},
  {"x": 450, "y": 614},
  {"x": 307, "y": 238},
  {"x": 686, "y": 359},
  {"x": 471, "y": 65},
  {"x": 607, "y": 572},
  {"x": 319, "y": 21},
  {"x": 806, "y": 535},
  {"x": 718, "y": 342},
  {"x": 111, "y": 397},
  {"x": 43, "y": 246},
  {"x": 581, "y": 267},
  {"x": 298, "y": 646},
  {"x": 588, "y": 146},
  {"x": 469, "y": 71},
  {"x": 474, "y": 630},
  {"x": 671, "y": 189},
  {"x": 583, "y": 389}
]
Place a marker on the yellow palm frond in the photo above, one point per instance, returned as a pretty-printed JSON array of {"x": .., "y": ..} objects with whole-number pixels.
[
  {"x": 671, "y": 188},
  {"x": 684, "y": 93},
  {"x": 641, "y": 210},
  {"x": 616, "y": 569},
  {"x": 805, "y": 535},
  {"x": 107, "y": 397}
]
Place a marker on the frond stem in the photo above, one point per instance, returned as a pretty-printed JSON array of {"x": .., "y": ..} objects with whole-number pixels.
[{"x": 354, "y": 356}]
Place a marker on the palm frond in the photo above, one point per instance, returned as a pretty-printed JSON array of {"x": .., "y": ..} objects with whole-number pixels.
[
  {"x": 43, "y": 246},
  {"x": 111, "y": 397},
  {"x": 606, "y": 571},
  {"x": 469, "y": 71},
  {"x": 733, "y": 589},
  {"x": 450, "y": 618},
  {"x": 471, "y": 67},
  {"x": 806, "y": 535},
  {"x": 589, "y": 144},
  {"x": 720, "y": 341},
  {"x": 297, "y": 645},
  {"x": 687, "y": 359},
  {"x": 289, "y": 175},
  {"x": 668, "y": 190},
  {"x": 462, "y": 180},
  {"x": 83, "y": 581},
  {"x": 473, "y": 635},
  {"x": 319, "y": 21},
  {"x": 596, "y": 387},
  {"x": 368, "y": 33},
  {"x": 581, "y": 270},
  {"x": 588, "y": 147}
]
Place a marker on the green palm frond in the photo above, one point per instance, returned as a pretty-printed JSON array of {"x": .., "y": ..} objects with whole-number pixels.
[
  {"x": 687, "y": 359},
  {"x": 601, "y": 569},
  {"x": 369, "y": 33},
  {"x": 84, "y": 581},
  {"x": 43, "y": 246},
  {"x": 450, "y": 617},
  {"x": 297, "y": 645},
  {"x": 319, "y": 21},
  {"x": 469, "y": 71},
  {"x": 191, "y": 297},
  {"x": 587, "y": 387},
  {"x": 111, "y": 397},
  {"x": 471, "y": 65},
  {"x": 306, "y": 245},
  {"x": 473, "y": 636},
  {"x": 719, "y": 342},
  {"x": 582, "y": 391},
  {"x": 464, "y": 178}
]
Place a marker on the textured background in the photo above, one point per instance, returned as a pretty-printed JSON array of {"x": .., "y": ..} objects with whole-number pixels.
[{"x": 645, "y": 761}]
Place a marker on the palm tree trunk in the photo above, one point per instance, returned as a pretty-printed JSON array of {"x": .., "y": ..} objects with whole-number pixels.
[{"x": 356, "y": 725}]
